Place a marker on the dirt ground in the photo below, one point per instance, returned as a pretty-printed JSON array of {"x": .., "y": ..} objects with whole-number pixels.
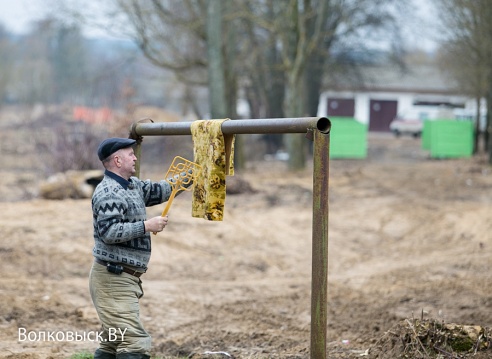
[{"x": 409, "y": 237}]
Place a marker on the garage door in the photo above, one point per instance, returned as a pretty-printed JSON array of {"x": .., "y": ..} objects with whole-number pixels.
[
  {"x": 381, "y": 113},
  {"x": 341, "y": 107}
]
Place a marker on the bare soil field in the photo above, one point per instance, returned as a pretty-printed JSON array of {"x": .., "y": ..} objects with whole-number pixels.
[{"x": 410, "y": 237}]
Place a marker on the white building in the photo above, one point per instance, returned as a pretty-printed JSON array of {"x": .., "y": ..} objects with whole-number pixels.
[{"x": 419, "y": 92}]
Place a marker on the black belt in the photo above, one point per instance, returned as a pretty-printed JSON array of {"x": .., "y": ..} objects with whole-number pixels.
[{"x": 133, "y": 272}]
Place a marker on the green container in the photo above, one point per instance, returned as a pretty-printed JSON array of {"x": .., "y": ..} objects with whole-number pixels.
[
  {"x": 448, "y": 138},
  {"x": 348, "y": 138},
  {"x": 426, "y": 135}
]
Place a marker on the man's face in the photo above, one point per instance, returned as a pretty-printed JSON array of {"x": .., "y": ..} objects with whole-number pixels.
[{"x": 126, "y": 160}]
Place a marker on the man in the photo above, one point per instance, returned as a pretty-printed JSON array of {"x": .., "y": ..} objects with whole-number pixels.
[{"x": 122, "y": 249}]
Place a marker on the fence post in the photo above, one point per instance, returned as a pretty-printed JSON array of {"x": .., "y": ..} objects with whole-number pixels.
[{"x": 319, "y": 276}]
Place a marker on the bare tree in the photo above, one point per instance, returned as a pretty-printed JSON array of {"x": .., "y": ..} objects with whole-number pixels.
[
  {"x": 467, "y": 30},
  {"x": 300, "y": 39},
  {"x": 194, "y": 39},
  {"x": 216, "y": 75},
  {"x": 304, "y": 34}
]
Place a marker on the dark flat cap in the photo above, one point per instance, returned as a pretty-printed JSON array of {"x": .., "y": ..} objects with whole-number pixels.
[{"x": 111, "y": 145}]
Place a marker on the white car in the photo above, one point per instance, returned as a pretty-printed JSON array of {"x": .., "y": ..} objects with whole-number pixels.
[{"x": 406, "y": 126}]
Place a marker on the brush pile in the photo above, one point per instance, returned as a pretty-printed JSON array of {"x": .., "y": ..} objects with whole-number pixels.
[{"x": 430, "y": 338}]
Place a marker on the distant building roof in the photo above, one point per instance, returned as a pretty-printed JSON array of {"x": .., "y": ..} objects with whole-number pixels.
[{"x": 416, "y": 78}]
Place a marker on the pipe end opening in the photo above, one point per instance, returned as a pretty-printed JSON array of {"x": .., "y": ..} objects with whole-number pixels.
[{"x": 324, "y": 125}]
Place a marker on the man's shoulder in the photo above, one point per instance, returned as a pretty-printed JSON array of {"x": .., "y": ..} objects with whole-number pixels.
[
  {"x": 105, "y": 183},
  {"x": 106, "y": 188}
]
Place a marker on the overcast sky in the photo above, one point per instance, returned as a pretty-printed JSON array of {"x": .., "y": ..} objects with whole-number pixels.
[{"x": 16, "y": 15}]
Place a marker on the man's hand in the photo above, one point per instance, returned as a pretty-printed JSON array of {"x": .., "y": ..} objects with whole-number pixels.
[{"x": 156, "y": 224}]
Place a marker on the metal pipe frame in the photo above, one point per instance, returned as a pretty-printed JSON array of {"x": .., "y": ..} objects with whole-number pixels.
[
  {"x": 317, "y": 129},
  {"x": 251, "y": 126}
]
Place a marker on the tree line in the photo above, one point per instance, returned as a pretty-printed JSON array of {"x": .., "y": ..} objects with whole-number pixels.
[
  {"x": 54, "y": 63},
  {"x": 275, "y": 54},
  {"x": 272, "y": 53}
]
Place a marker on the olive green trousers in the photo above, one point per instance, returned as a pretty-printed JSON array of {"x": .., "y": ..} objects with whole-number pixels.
[{"x": 116, "y": 299}]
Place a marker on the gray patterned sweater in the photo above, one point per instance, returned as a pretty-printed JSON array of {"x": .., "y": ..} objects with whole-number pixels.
[{"x": 118, "y": 208}]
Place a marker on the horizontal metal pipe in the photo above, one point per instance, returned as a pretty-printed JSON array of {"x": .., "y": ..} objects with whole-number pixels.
[{"x": 246, "y": 126}]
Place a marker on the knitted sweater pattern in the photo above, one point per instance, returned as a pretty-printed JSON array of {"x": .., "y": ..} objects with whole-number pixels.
[{"x": 119, "y": 212}]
